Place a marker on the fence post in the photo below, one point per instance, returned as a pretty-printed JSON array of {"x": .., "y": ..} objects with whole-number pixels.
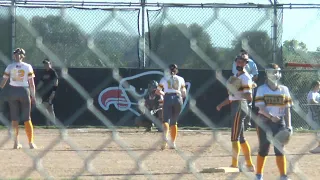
[
  {"x": 143, "y": 6},
  {"x": 13, "y": 25},
  {"x": 275, "y": 34}
]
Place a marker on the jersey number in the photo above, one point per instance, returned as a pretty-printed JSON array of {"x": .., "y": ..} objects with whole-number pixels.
[
  {"x": 173, "y": 83},
  {"x": 18, "y": 75}
]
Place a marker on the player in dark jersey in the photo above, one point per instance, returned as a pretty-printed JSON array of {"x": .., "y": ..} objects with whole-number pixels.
[
  {"x": 153, "y": 104},
  {"x": 47, "y": 88}
]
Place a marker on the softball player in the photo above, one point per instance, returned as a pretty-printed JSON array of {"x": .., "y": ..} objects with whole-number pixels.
[
  {"x": 153, "y": 103},
  {"x": 252, "y": 69},
  {"x": 313, "y": 116},
  {"x": 173, "y": 87},
  {"x": 21, "y": 87},
  {"x": 274, "y": 102},
  {"x": 47, "y": 89},
  {"x": 239, "y": 110}
]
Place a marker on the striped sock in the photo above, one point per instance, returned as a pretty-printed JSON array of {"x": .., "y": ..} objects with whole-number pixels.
[
  {"x": 174, "y": 132},
  {"x": 260, "y": 164},
  {"x": 29, "y": 130},
  {"x": 235, "y": 153},
  {"x": 166, "y": 130},
  {"x": 282, "y": 164},
  {"x": 246, "y": 152}
]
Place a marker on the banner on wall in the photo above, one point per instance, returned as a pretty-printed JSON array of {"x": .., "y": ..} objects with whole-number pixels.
[{"x": 126, "y": 96}]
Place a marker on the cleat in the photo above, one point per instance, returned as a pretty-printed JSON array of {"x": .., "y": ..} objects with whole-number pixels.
[
  {"x": 251, "y": 169},
  {"x": 173, "y": 146},
  {"x": 17, "y": 146},
  {"x": 247, "y": 169},
  {"x": 315, "y": 150},
  {"x": 32, "y": 146},
  {"x": 259, "y": 177},
  {"x": 284, "y": 177},
  {"x": 164, "y": 146}
]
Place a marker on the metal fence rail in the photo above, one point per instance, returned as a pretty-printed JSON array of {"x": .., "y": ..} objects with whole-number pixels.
[{"x": 193, "y": 36}]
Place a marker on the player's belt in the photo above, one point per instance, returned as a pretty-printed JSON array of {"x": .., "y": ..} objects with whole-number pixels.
[
  {"x": 19, "y": 86},
  {"x": 281, "y": 117},
  {"x": 172, "y": 93},
  {"x": 238, "y": 100}
]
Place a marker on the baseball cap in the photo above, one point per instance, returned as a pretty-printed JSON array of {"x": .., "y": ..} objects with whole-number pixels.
[
  {"x": 46, "y": 61},
  {"x": 242, "y": 52},
  {"x": 19, "y": 51},
  {"x": 240, "y": 58},
  {"x": 173, "y": 66}
]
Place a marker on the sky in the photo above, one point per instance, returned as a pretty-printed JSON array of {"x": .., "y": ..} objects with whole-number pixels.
[{"x": 300, "y": 24}]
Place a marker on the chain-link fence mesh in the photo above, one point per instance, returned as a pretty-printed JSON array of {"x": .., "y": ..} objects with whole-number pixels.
[
  {"x": 295, "y": 50},
  {"x": 194, "y": 38},
  {"x": 295, "y": 79},
  {"x": 66, "y": 31},
  {"x": 6, "y": 24},
  {"x": 220, "y": 32}
]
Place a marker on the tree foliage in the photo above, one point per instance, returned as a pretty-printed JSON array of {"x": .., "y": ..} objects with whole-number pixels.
[
  {"x": 182, "y": 44},
  {"x": 258, "y": 44},
  {"x": 68, "y": 42},
  {"x": 297, "y": 52},
  {"x": 171, "y": 43},
  {"x": 5, "y": 37}
]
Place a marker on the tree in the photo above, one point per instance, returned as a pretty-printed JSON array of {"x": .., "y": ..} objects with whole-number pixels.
[
  {"x": 59, "y": 36},
  {"x": 181, "y": 44},
  {"x": 294, "y": 46},
  {"x": 119, "y": 47},
  {"x": 297, "y": 52},
  {"x": 5, "y": 37},
  {"x": 258, "y": 44},
  {"x": 69, "y": 43}
]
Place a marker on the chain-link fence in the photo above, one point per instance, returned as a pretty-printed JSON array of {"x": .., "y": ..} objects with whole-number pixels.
[
  {"x": 66, "y": 33},
  {"x": 212, "y": 29},
  {"x": 203, "y": 36}
]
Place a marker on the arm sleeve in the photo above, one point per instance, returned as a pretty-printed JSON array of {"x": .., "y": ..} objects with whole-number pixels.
[
  {"x": 54, "y": 75},
  {"x": 234, "y": 70},
  {"x": 259, "y": 100},
  {"x": 183, "y": 83},
  {"x": 6, "y": 73},
  {"x": 254, "y": 69},
  {"x": 247, "y": 85},
  {"x": 30, "y": 72},
  {"x": 161, "y": 83},
  {"x": 310, "y": 96},
  {"x": 288, "y": 99}
]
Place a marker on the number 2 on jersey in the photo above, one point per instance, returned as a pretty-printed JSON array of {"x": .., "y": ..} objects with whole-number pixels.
[{"x": 18, "y": 75}]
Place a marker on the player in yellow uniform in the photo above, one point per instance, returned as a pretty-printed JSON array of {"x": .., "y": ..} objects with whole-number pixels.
[
  {"x": 172, "y": 88},
  {"x": 239, "y": 110},
  {"x": 274, "y": 103},
  {"x": 21, "y": 87}
]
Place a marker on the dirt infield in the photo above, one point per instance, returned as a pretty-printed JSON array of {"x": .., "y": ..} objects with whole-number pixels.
[{"x": 114, "y": 162}]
